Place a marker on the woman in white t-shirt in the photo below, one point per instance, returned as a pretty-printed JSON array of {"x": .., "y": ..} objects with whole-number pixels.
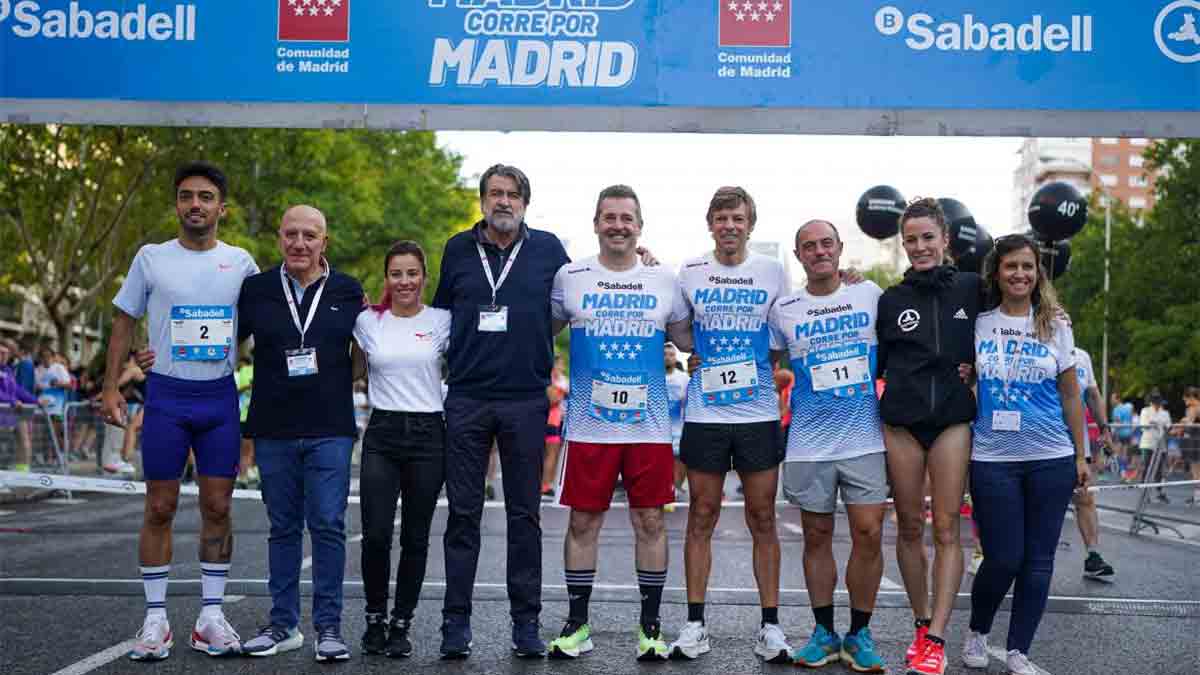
[
  {"x": 1027, "y": 456},
  {"x": 401, "y": 343}
]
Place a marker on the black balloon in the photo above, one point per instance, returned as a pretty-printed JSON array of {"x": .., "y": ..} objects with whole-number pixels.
[
  {"x": 879, "y": 210},
  {"x": 969, "y": 245},
  {"x": 956, "y": 212},
  {"x": 1057, "y": 211},
  {"x": 1056, "y": 257}
]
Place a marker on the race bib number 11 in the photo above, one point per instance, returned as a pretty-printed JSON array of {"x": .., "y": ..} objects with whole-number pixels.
[{"x": 843, "y": 373}]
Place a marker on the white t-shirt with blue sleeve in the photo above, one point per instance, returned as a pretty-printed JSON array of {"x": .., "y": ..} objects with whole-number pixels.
[
  {"x": 833, "y": 350},
  {"x": 734, "y": 383},
  {"x": 191, "y": 299},
  {"x": 618, "y": 329},
  {"x": 1027, "y": 384}
]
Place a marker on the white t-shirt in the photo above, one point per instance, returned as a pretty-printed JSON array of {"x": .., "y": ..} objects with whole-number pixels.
[
  {"x": 1032, "y": 389},
  {"x": 677, "y": 386},
  {"x": 404, "y": 369},
  {"x": 191, "y": 298},
  {"x": 1153, "y": 424},
  {"x": 833, "y": 350},
  {"x": 734, "y": 383},
  {"x": 618, "y": 328}
]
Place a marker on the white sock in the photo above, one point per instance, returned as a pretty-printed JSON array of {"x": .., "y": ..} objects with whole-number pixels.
[
  {"x": 154, "y": 583},
  {"x": 212, "y": 587}
]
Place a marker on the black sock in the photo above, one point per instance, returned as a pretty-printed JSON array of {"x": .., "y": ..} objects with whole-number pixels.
[
  {"x": 936, "y": 640},
  {"x": 579, "y": 593},
  {"x": 651, "y": 585},
  {"x": 696, "y": 611},
  {"x": 858, "y": 620},
  {"x": 918, "y": 623},
  {"x": 824, "y": 617},
  {"x": 770, "y": 615}
]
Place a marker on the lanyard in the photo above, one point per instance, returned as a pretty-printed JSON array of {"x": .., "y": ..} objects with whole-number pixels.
[
  {"x": 487, "y": 268},
  {"x": 291, "y": 301},
  {"x": 1011, "y": 370}
]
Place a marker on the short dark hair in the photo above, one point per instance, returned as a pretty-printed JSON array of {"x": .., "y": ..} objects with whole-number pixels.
[
  {"x": 731, "y": 197},
  {"x": 205, "y": 170},
  {"x": 403, "y": 247},
  {"x": 925, "y": 207},
  {"x": 618, "y": 192},
  {"x": 508, "y": 172}
]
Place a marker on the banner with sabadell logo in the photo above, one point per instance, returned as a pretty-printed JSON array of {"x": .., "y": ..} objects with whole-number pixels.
[{"x": 1022, "y": 55}]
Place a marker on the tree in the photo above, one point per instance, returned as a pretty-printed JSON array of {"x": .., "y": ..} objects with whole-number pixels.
[
  {"x": 883, "y": 275},
  {"x": 75, "y": 202},
  {"x": 1153, "y": 302}
]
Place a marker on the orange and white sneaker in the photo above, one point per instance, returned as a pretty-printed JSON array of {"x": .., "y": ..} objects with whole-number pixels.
[
  {"x": 930, "y": 661},
  {"x": 154, "y": 640},
  {"x": 917, "y": 645}
]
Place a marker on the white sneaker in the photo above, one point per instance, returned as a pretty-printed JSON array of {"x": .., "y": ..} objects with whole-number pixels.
[
  {"x": 692, "y": 641},
  {"x": 772, "y": 645},
  {"x": 975, "y": 651},
  {"x": 1018, "y": 664},
  {"x": 154, "y": 640},
  {"x": 214, "y": 636}
]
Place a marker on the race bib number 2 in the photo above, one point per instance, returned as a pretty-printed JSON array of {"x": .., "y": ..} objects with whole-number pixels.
[
  {"x": 729, "y": 383},
  {"x": 201, "y": 332}
]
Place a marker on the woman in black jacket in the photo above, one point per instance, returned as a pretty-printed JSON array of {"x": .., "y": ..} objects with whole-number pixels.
[{"x": 926, "y": 329}]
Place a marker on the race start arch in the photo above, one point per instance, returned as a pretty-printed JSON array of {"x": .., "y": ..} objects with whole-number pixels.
[{"x": 926, "y": 67}]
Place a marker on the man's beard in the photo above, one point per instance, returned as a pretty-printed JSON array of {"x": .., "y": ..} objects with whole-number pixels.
[{"x": 503, "y": 222}]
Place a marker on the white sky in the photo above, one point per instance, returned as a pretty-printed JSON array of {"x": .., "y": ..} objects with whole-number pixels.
[{"x": 792, "y": 179}]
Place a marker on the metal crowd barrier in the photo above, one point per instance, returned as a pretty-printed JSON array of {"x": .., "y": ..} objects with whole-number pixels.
[
  {"x": 32, "y": 435},
  {"x": 1153, "y": 470}
]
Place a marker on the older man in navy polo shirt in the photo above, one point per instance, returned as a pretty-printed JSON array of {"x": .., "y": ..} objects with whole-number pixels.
[
  {"x": 301, "y": 315},
  {"x": 496, "y": 280}
]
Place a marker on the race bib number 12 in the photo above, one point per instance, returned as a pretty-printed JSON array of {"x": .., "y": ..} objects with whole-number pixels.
[{"x": 729, "y": 383}]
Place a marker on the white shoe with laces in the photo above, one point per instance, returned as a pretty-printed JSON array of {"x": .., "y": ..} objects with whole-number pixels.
[
  {"x": 692, "y": 642},
  {"x": 772, "y": 645},
  {"x": 975, "y": 651},
  {"x": 154, "y": 640},
  {"x": 1018, "y": 664},
  {"x": 214, "y": 636}
]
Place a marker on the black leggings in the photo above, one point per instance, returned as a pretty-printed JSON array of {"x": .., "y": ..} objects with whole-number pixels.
[{"x": 403, "y": 456}]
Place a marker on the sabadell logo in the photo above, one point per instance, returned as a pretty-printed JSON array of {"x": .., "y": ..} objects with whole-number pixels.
[
  {"x": 139, "y": 23},
  {"x": 969, "y": 32}
]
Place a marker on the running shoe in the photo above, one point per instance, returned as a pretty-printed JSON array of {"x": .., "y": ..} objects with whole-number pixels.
[
  {"x": 822, "y": 648},
  {"x": 456, "y": 638},
  {"x": 692, "y": 641},
  {"x": 772, "y": 645},
  {"x": 272, "y": 640},
  {"x": 525, "y": 640},
  {"x": 215, "y": 637},
  {"x": 575, "y": 639},
  {"x": 1095, "y": 567},
  {"x": 154, "y": 640},
  {"x": 931, "y": 660},
  {"x": 1018, "y": 664},
  {"x": 858, "y": 652},
  {"x": 917, "y": 645},
  {"x": 398, "y": 644},
  {"x": 975, "y": 651},
  {"x": 651, "y": 646},
  {"x": 330, "y": 646},
  {"x": 375, "y": 639}
]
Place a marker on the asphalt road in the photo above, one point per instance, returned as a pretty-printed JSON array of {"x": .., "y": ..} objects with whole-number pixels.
[{"x": 71, "y": 599}]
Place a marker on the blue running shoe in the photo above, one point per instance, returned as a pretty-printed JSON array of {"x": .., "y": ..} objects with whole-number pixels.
[
  {"x": 822, "y": 648},
  {"x": 858, "y": 651},
  {"x": 525, "y": 640},
  {"x": 456, "y": 638}
]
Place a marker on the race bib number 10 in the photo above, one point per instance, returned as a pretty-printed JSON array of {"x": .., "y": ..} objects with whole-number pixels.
[
  {"x": 613, "y": 402},
  {"x": 729, "y": 383},
  {"x": 201, "y": 332}
]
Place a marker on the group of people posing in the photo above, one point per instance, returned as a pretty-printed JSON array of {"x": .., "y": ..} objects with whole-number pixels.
[{"x": 505, "y": 290}]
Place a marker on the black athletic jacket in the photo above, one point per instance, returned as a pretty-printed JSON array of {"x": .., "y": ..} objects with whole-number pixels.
[{"x": 926, "y": 327}]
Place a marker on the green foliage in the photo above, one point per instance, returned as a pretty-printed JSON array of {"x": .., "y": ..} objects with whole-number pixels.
[
  {"x": 77, "y": 202},
  {"x": 1153, "y": 298},
  {"x": 883, "y": 275}
]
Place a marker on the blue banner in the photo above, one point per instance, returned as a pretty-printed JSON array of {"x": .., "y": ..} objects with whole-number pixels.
[{"x": 1112, "y": 55}]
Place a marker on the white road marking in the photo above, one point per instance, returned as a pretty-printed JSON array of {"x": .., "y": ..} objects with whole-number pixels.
[
  {"x": 6, "y": 513},
  {"x": 119, "y": 650},
  {"x": 1002, "y": 655}
]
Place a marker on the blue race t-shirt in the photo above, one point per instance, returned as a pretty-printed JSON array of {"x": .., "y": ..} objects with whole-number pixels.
[{"x": 1026, "y": 383}]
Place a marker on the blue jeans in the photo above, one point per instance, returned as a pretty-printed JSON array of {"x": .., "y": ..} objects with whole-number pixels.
[
  {"x": 306, "y": 480},
  {"x": 1019, "y": 507}
]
